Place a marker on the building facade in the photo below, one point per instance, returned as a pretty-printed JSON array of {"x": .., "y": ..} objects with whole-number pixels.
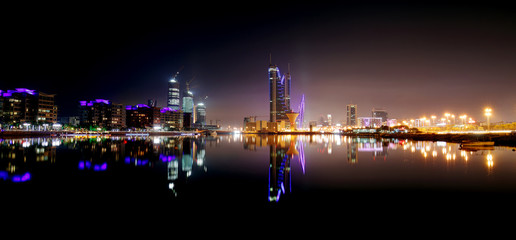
[
  {"x": 370, "y": 122},
  {"x": 101, "y": 113},
  {"x": 173, "y": 100},
  {"x": 279, "y": 94},
  {"x": 379, "y": 113},
  {"x": 200, "y": 114},
  {"x": 27, "y": 106},
  {"x": 142, "y": 116},
  {"x": 351, "y": 115},
  {"x": 172, "y": 119}
]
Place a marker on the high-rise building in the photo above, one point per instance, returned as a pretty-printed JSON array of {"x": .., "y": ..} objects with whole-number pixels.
[
  {"x": 379, "y": 113},
  {"x": 101, "y": 113},
  {"x": 351, "y": 115},
  {"x": 28, "y": 106},
  {"x": 279, "y": 94},
  {"x": 200, "y": 114},
  {"x": 188, "y": 105},
  {"x": 173, "y": 95}
]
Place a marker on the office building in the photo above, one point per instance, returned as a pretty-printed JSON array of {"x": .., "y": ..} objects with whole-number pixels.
[
  {"x": 279, "y": 94},
  {"x": 188, "y": 105},
  {"x": 379, "y": 113},
  {"x": 200, "y": 114},
  {"x": 171, "y": 119},
  {"x": 173, "y": 95},
  {"x": 142, "y": 116},
  {"x": 370, "y": 122},
  {"x": 27, "y": 106},
  {"x": 351, "y": 115},
  {"x": 101, "y": 113}
]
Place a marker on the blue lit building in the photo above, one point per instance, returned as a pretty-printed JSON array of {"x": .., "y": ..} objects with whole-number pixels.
[{"x": 279, "y": 94}]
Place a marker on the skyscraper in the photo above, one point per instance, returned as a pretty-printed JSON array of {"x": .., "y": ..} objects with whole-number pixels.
[
  {"x": 200, "y": 114},
  {"x": 188, "y": 102},
  {"x": 380, "y": 113},
  {"x": 351, "y": 115},
  {"x": 173, "y": 94},
  {"x": 279, "y": 94}
]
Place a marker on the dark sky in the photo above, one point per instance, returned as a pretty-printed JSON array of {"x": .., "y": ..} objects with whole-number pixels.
[{"x": 413, "y": 60}]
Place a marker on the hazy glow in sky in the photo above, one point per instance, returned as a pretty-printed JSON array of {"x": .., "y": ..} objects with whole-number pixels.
[{"x": 412, "y": 60}]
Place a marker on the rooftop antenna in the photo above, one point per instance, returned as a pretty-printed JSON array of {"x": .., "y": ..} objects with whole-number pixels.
[{"x": 270, "y": 58}]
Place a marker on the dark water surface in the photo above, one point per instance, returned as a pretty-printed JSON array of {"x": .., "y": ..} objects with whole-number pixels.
[{"x": 253, "y": 175}]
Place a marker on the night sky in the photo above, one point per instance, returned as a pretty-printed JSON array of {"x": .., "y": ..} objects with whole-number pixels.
[{"x": 413, "y": 60}]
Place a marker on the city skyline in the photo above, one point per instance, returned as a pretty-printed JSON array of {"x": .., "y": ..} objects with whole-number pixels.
[{"x": 411, "y": 60}]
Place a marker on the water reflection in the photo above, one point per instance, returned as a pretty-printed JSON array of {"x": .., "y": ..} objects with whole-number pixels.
[
  {"x": 332, "y": 159},
  {"x": 285, "y": 150},
  {"x": 180, "y": 156}
]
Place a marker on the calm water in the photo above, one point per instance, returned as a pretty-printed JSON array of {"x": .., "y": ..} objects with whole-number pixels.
[{"x": 252, "y": 173}]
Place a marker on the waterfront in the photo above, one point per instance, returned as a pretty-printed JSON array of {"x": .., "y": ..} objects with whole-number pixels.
[{"x": 243, "y": 174}]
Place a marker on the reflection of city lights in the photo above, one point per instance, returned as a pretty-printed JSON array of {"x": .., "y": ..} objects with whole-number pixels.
[
  {"x": 490, "y": 160},
  {"x": 434, "y": 153}
]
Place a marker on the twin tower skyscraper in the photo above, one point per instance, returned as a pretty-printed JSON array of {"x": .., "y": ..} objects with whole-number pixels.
[{"x": 279, "y": 93}]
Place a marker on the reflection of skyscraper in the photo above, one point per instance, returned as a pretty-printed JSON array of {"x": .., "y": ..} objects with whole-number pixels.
[
  {"x": 279, "y": 94},
  {"x": 351, "y": 115},
  {"x": 279, "y": 172},
  {"x": 352, "y": 151}
]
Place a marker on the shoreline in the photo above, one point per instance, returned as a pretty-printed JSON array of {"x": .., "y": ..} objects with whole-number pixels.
[{"x": 499, "y": 139}]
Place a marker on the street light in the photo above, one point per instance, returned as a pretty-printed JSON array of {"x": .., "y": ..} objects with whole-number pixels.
[
  {"x": 433, "y": 119},
  {"x": 447, "y": 116},
  {"x": 488, "y": 113}
]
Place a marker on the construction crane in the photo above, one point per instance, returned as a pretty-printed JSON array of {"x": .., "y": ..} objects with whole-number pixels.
[{"x": 178, "y": 71}]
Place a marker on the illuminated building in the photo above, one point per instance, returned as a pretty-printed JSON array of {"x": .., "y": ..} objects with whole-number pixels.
[
  {"x": 351, "y": 115},
  {"x": 279, "y": 94},
  {"x": 250, "y": 119},
  {"x": 101, "y": 113},
  {"x": 379, "y": 113},
  {"x": 173, "y": 95},
  {"x": 279, "y": 170},
  {"x": 200, "y": 114},
  {"x": 28, "y": 106},
  {"x": 188, "y": 105},
  {"x": 172, "y": 119},
  {"x": 142, "y": 116},
  {"x": 374, "y": 122}
]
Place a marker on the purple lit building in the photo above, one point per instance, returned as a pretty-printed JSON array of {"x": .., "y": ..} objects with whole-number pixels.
[
  {"x": 23, "y": 105},
  {"x": 172, "y": 119},
  {"x": 101, "y": 113},
  {"x": 142, "y": 116}
]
